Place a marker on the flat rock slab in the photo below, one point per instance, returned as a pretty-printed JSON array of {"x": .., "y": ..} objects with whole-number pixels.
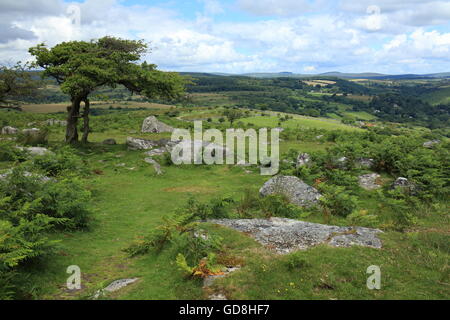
[{"x": 287, "y": 235}]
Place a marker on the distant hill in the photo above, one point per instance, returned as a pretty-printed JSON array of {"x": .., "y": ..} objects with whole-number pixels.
[
  {"x": 364, "y": 75},
  {"x": 336, "y": 74}
]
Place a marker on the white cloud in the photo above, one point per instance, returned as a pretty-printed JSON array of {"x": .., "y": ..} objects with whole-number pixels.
[
  {"x": 350, "y": 39},
  {"x": 309, "y": 69},
  {"x": 280, "y": 7}
]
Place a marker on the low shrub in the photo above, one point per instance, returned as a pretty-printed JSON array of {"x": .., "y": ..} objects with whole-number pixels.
[
  {"x": 34, "y": 138},
  {"x": 337, "y": 201},
  {"x": 63, "y": 161}
]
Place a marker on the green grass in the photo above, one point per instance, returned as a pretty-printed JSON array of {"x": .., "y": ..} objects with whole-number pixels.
[
  {"x": 128, "y": 201},
  {"x": 298, "y": 122},
  {"x": 440, "y": 96}
]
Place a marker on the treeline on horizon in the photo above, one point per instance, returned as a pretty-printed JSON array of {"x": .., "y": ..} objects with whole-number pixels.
[{"x": 397, "y": 102}]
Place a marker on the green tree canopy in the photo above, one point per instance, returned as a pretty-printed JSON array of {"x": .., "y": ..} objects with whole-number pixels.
[
  {"x": 16, "y": 82},
  {"x": 81, "y": 67}
]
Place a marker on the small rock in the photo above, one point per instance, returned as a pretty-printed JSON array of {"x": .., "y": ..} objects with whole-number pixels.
[
  {"x": 208, "y": 281},
  {"x": 369, "y": 181},
  {"x": 32, "y": 131},
  {"x": 114, "y": 286},
  {"x": 404, "y": 183},
  {"x": 55, "y": 122},
  {"x": 119, "y": 284},
  {"x": 293, "y": 188},
  {"x": 35, "y": 151},
  {"x": 109, "y": 142},
  {"x": 140, "y": 144},
  {"x": 430, "y": 144},
  {"x": 156, "y": 152},
  {"x": 303, "y": 159},
  {"x": 9, "y": 130},
  {"x": 364, "y": 163},
  {"x": 319, "y": 137},
  {"x": 217, "y": 296},
  {"x": 153, "y": 125},
  {"x": 155, "y": 164}
]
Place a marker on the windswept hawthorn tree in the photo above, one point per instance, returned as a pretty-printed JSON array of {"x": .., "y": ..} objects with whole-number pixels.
[{"x": 81, "y": 67}]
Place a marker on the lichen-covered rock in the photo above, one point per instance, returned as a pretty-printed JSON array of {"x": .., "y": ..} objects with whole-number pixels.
[
  {"x": 430, "y": 144},
  {"x": 293, "y": 188},
  {"x": 151, "y": 124},
  {"x": 31, "y": 132},
  {"x": 9, "y": 130},
  {"x": 287, "y": 235},
  {"x": 35, "y": 151},
  {"x": 364, "y": 163},
  {"x": 40, "y": 177},
  {"x": 369, "y": 181},
  {"x": 303, "y": 159},
  {"x": 403, "y": 183},
  {"x": 140, "y": 144},
  {"x": 156, "y": 152},
  {"x": 115, "y": 286}
]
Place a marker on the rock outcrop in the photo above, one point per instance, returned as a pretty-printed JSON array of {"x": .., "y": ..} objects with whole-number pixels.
[
  {"x": 140, "y": 144},
  {"x": 293, "y": 188},
  {"x": 153, "y": 125},
  {"x": 287, "y": 235}
]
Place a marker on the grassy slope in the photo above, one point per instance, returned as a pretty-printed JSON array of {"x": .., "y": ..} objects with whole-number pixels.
[{"x": 128, "y": 203}]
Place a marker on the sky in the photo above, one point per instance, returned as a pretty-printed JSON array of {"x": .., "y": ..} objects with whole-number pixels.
[{"x": 243, "y": 36}]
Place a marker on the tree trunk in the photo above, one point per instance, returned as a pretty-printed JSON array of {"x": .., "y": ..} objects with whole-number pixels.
[
  {"x": 84, "y": 139},
  {"x": 72, "y": 121}
]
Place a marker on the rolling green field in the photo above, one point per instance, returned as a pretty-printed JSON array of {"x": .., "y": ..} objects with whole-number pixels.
[{"x": 298, "y": 122}]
